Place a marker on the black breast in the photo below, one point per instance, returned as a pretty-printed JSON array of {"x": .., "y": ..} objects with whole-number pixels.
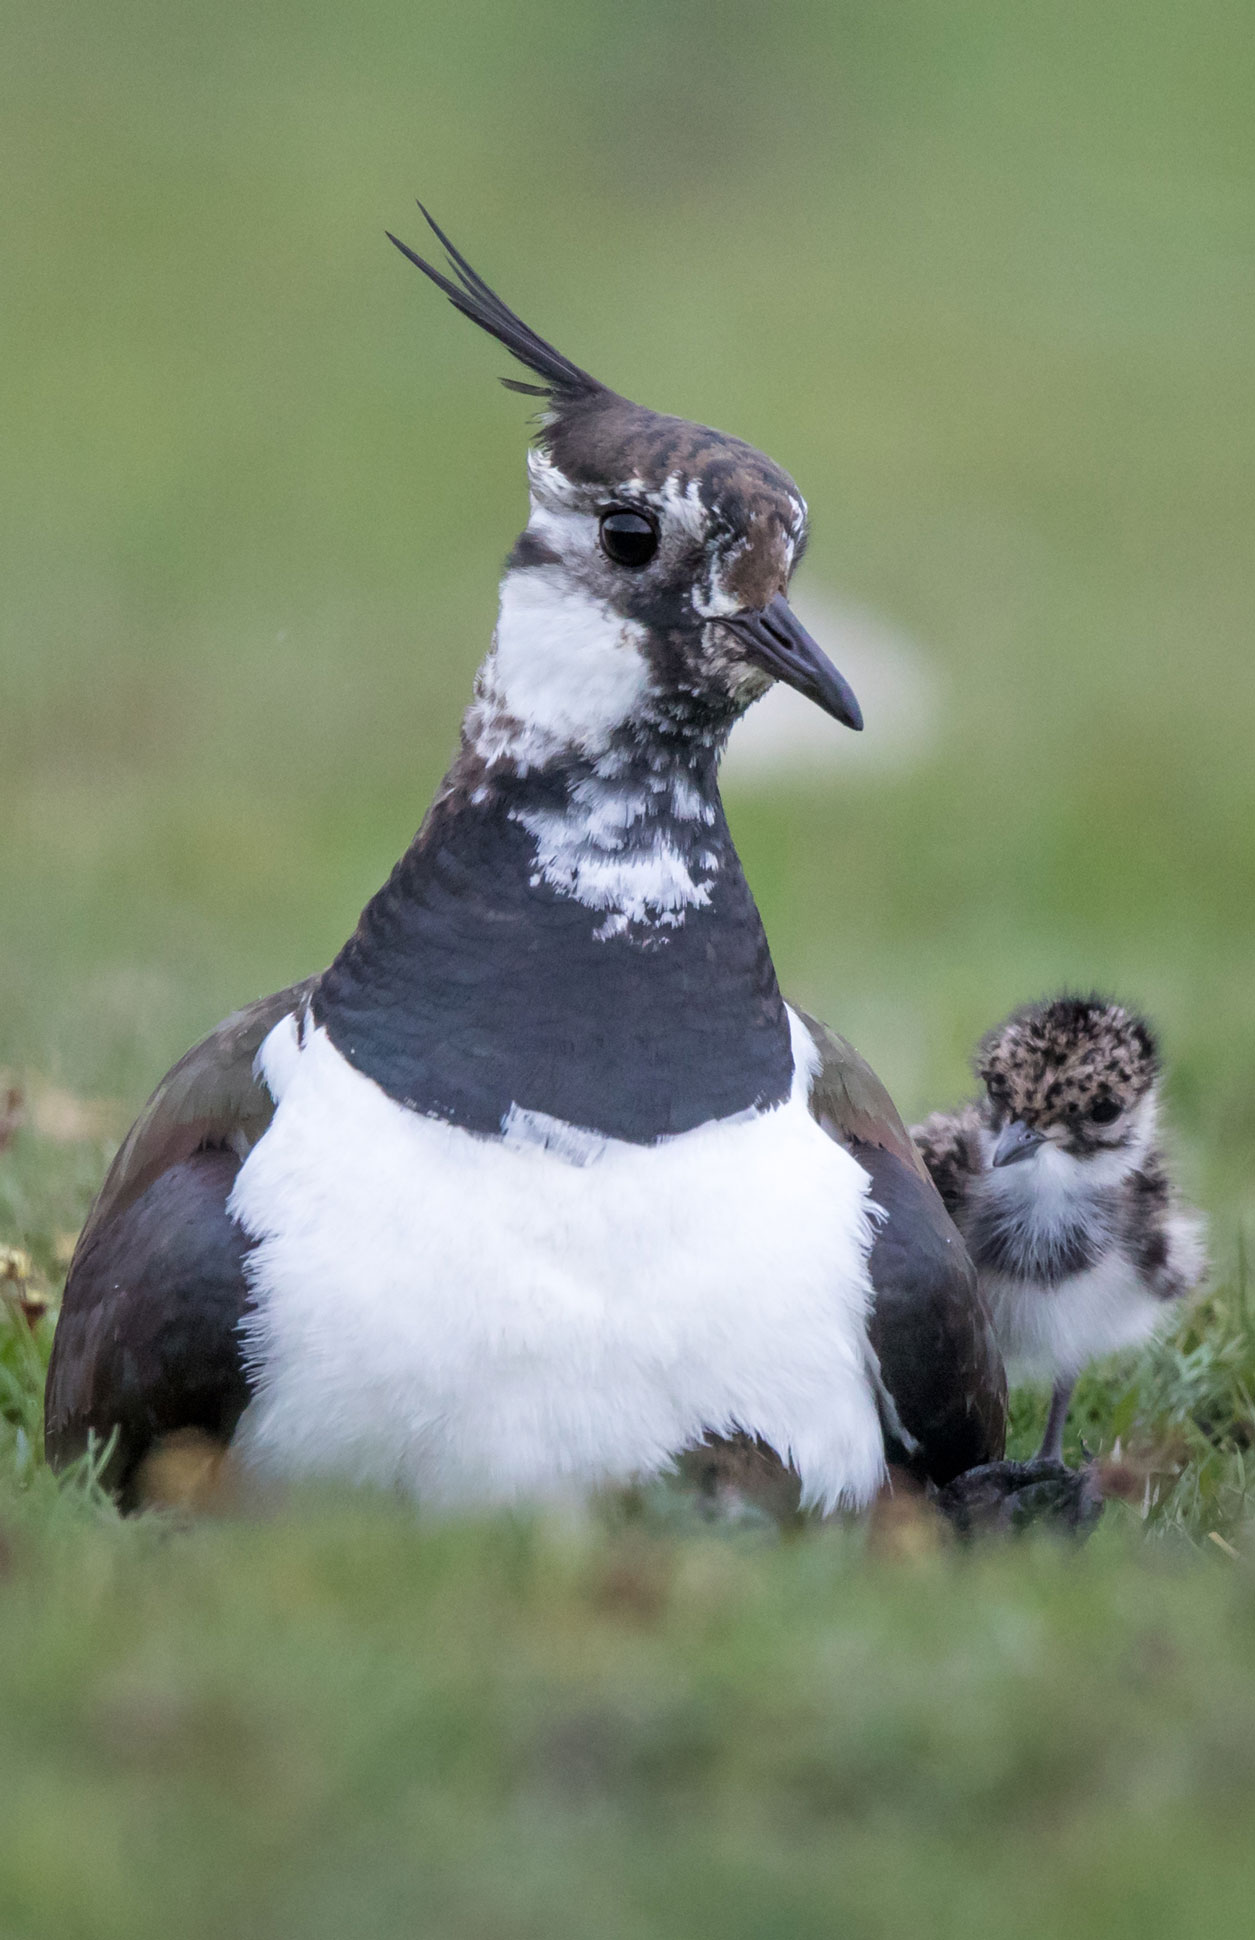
[{"x": 470, "y": 986}]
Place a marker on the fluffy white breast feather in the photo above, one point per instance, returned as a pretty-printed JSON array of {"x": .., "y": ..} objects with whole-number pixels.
[
  {"x": 484, "y": 1321},
  {"x": 1050, "y": 1331}
]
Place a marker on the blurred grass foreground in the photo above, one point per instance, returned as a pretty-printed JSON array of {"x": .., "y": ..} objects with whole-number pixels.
[{"x": 981, "y": 277}]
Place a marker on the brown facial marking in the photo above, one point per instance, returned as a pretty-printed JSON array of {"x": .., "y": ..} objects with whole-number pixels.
[
  {"x": 752, "y": 505},
  {"x": 760, "y": 568}
]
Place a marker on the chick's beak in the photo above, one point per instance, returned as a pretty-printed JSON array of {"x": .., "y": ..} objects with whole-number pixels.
[
  {"x": 779, "y": 644},
  {"x": 1016, "y": 1141}
]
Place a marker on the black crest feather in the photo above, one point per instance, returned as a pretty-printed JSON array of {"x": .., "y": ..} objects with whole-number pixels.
[{"x": 563, "y": 381}]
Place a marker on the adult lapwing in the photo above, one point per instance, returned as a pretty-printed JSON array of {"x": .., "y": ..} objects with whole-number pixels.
[{"x": 542, "y": 1184}]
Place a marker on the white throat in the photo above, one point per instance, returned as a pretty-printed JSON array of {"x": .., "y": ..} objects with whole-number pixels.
[{"x": 564, "y": 672}]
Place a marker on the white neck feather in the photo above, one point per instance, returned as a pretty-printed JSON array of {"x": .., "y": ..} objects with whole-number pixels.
[{"x": 565, "y": 671}]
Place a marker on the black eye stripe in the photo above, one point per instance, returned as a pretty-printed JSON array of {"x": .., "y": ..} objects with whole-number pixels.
[{"x": 628, "y": 538}]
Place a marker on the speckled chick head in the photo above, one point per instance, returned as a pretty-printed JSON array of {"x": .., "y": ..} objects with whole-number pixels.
[{"x": 1073, "y": 1068}]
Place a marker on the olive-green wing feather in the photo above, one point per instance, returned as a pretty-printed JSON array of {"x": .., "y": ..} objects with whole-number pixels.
[
  {"x": 850, "y": 1102},
  {"x": 929, "y": 1325},
  {"x": 209, "y": 1100}
]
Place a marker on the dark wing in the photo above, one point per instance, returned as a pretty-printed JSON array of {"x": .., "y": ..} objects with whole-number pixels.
[
  {"x": 1159, "y": 1233},
  {"x": 148, "y": 1337},
  {"x": 929, "y": 1325},
  {"x": 949, "y": 1144},
  {"x": 209, "y": 1100}
]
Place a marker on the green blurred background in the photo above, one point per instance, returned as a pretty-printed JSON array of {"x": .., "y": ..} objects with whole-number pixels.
[{"x": 981, "y": 276}]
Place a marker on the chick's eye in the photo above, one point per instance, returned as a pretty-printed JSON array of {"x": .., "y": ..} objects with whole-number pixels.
[
  {"x": 1105, "y": 1112},
  {"x": 629, "y": 538}
]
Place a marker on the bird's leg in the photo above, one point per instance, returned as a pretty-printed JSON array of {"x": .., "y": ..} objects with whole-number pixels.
[{"x": 1051, "y": 1449}]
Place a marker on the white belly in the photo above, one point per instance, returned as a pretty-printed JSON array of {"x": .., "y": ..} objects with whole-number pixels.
[
  {"x": 484, "y": 1320},
  {"x": 1049, "y": 1331}
]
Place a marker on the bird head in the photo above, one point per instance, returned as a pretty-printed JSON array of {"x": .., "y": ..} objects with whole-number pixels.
[
  {"x": 649, "y": 587},
  {"x": 1073, "y": 1076}
]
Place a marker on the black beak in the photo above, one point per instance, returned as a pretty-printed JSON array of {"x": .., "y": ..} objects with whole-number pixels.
[
  {"x": 781, "y": 646},
  {"x": 1016, "y": 1141}
]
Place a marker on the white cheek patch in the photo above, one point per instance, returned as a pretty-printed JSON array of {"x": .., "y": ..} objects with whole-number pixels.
[
  {"x": 551, "y": 487},
  {"x": 1143, "y": 1125},
  {"x": 563, "y": 663},
  {"x": 572, "y": 535}
]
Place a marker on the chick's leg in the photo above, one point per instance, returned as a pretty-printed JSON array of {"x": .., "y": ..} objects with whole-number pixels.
[{"x": 1051, "y": 1449}]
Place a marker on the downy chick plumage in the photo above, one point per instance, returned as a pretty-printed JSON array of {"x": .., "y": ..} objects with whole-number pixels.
[{"x": 1057, "y": 1180}]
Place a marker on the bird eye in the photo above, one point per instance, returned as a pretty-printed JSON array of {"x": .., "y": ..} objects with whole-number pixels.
[
  {"x": 629, "y": 538},
  {"x": 1105, "y": 1112}
]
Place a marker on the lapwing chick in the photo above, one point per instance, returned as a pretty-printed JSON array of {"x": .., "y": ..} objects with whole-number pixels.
[
  {"x": 542, "y": 1184},
  {"x": 1056, "y": 1178}
]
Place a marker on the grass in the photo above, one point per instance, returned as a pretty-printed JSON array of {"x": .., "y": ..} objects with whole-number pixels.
[
  {"x": 517, "y": 1730},
  {"x": 324, "y": 1717},
  {"x": 980, "y": 276}
]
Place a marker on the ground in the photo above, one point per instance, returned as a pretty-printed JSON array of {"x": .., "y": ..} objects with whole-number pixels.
[{"x": 980, "y": 277}]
